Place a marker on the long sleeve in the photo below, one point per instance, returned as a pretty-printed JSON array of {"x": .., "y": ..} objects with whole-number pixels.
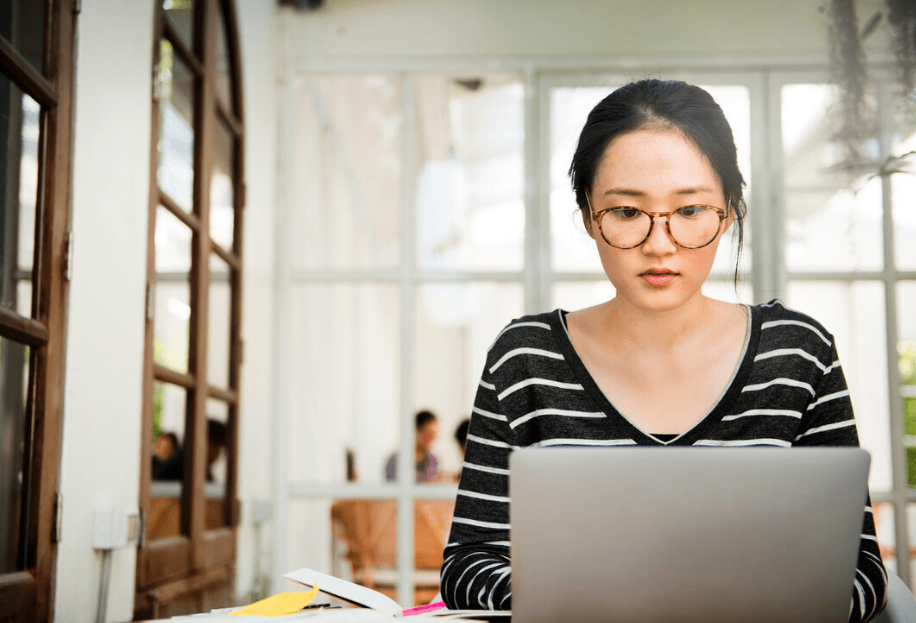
[
  {"x": 529, "y": 395},
  {"x": 475, "y": 573},
  {"x": 829, "y": 420}
]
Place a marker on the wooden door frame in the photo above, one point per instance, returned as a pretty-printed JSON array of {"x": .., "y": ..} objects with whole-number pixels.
[
  {"x": 29, "y": 594},
  {"x": 199, "y": 558}
]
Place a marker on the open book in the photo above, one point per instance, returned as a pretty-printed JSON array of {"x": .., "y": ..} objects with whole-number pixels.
[
  {"x": 368, "y": 598},
  {"x": 346, "y": 591}
]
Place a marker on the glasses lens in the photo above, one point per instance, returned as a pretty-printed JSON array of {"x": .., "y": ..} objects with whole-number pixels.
[
  {"x": 625, "y": 227},
  {"x": 694, "y": 226}
]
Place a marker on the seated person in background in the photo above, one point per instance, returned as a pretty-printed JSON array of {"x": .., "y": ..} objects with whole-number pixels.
[
  {"x": 352, "y": 476},
  {"x": 461, "y": 435},
  {"x": 427, "y": 429},
  {"x": 655, "y": 176},
  {"x": 167, "y": 460},
  {"x": 216, "y": 441}
]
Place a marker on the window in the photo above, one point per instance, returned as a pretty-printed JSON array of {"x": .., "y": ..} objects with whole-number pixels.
[
  {"x": 193, "y": 350},
  {"x": 845, "y": 235},
  {"x": 427, "y": 210},
  {"x": 36, "y": 54},
  {"x": 827, "y": 240},
  {"x": 406, "y": 253}
]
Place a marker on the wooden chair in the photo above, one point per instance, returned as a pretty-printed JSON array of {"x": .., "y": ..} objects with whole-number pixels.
[{"x": 368, "y": 528}]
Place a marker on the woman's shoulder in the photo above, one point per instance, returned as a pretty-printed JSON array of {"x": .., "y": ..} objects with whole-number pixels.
[
  {"x": 532, "y": 331},
  {"x": 783, "y": 324}
]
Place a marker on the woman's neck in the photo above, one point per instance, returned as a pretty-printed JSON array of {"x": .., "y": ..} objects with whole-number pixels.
[{"x": 657, "y": 331}]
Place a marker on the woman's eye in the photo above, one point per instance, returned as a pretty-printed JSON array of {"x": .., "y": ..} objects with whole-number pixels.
[
  {"x": 691, "y": 211},
  {"x": 625, "y": 214}
]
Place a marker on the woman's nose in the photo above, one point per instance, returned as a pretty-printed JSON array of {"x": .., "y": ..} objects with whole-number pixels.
[{"x": 659, "y": 241}]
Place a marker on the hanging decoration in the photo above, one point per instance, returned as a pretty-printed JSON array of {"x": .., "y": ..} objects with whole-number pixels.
[{"x": 857, "y": 127}]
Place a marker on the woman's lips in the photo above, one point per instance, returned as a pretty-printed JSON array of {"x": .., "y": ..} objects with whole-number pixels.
[{"x": 659, "y": 277}]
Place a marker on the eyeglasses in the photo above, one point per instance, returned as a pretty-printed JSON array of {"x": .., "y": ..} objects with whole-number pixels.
[{"x": 690, "y": 227}]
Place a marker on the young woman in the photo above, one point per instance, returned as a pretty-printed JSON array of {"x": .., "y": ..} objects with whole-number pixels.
[{"x": 656, "y": 178}]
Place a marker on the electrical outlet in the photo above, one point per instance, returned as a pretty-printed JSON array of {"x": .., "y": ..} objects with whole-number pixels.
[
  {"x": 261, "y": 511},
  {"x": 115, "y": 527}
]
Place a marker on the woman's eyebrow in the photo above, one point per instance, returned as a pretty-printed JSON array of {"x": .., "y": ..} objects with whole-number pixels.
[
  {"x": 629, "y": 192},
  {"x": 634, "y": 192},
  {"x": 695, "y": 190}
]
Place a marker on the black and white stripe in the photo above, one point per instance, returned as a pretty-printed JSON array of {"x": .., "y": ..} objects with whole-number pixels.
[{"x": 789, "y": 390}]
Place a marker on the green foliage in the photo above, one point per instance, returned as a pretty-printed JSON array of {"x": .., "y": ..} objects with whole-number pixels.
[
  {"x": 907, "y": 364},
  {"x": 907, "y": 352},
  {"x": 158, "y": 355},
  {"x": 911, "y": 467},
  {"x": 158, "y": 391}
]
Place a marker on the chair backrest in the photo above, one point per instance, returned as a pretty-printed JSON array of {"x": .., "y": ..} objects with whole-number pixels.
[
  {"x": 369, "y": 528},
  {"x": 431, "y": 524}
]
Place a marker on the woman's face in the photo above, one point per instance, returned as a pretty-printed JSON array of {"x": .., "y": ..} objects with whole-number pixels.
[
  {"x": 656, "y": 170},
  {"x": 164, "y": 447},
  {"x": 427, "y": 434}
]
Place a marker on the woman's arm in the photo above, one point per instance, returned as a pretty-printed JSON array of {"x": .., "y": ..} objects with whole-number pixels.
[
  {"x": 829, "y": 421},
  {"x": 475, "y": 574}
]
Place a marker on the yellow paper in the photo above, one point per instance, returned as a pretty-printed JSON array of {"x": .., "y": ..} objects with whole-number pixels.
[{"x": 278, "y": 605}]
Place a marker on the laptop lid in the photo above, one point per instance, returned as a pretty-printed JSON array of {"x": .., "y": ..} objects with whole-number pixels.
[{"x": 757, "y": 535}]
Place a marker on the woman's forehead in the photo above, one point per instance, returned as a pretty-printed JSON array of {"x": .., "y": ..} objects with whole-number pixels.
[{"x": 654, "y": 161}]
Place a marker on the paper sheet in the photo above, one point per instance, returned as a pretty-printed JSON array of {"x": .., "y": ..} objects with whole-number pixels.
[
  {"x": 278, "y": 605},
  {"x": 318, "y": 615}
]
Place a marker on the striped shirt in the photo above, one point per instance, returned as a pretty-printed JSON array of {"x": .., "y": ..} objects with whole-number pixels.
[{"x": 788, "y": 390}]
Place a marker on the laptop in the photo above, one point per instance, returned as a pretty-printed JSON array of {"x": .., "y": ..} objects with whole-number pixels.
[{"x": 683, "y": 535}]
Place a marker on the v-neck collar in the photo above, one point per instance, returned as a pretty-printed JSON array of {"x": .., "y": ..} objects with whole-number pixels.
[{"x": 615, "y": 421}]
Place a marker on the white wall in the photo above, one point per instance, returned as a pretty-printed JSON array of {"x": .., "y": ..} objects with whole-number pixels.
[
  {"x": 102, "y": 395},
  {"x": 257, "y": 29}
]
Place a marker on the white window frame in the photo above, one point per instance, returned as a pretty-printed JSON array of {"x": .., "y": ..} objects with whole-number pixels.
[
  {"x": 768, "y": 274},
  {"x": 900, "y": 495}
]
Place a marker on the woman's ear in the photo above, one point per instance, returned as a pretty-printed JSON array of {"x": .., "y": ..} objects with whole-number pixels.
[
  {"x": 587, "y": 221},
  {"x": 731, "y": 215}
]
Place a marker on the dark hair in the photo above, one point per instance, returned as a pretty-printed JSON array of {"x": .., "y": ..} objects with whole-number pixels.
[
  {"x": 173, "y": 438},
  {"x": 351, "y": 465},
  {"x": 662, "y": 103},
  {"x": 425, "y": 417},
  {"x": 461, "y": 433},
  {"x": 216, "y": 432}
]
